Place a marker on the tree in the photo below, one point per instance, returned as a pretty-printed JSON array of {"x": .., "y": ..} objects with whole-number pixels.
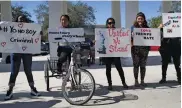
[
  {"x": 19, "y": 10},
  {"x": 42, "y": 15},
  {"x": 155, "y": 21},
  {"x": 80, "y": 13}
]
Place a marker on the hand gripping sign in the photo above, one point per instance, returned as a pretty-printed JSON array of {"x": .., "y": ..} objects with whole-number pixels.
[{"x": 20, "y": 37}]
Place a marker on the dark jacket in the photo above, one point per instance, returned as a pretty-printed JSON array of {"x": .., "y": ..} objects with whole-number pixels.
[{"x": 171, "y": 45}]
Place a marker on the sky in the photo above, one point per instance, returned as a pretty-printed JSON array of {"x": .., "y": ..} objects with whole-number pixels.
[{"x": 102, "y": 8}]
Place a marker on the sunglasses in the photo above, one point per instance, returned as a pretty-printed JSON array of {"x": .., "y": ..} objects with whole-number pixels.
[{"x": 111, "y": 23}]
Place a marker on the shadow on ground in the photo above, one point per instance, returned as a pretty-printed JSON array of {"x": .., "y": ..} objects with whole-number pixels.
[
  {"x": 33, "y": 104},
  {"x": 101, "y": 96}
]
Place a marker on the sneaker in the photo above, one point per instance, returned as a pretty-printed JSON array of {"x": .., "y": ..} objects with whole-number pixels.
[
  {"x": 162, "y": 81},
  {"x": 34, "y": 92},
  {"x": 9, "y": 94}
]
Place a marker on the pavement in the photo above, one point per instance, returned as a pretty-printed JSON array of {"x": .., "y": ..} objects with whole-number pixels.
[{"x": 153, "y": 96}]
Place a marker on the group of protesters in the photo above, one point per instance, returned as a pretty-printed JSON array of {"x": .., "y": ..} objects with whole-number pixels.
[{"x": 170, "y": 47}]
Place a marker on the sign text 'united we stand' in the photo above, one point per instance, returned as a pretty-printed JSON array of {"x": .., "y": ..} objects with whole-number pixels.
[{"x": 114, "y": 42}]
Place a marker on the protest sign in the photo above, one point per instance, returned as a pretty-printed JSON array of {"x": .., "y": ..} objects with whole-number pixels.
[
  {"x": 114, "y": 42},
  {"x": 146, "y": 37},
  {"x": 70, "y": 34},
  {"x": 18, "y": 37},
  {"x": 172, "y": 25}
]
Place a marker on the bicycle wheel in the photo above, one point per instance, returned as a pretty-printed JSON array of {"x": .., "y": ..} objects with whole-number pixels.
[
  {"x": 46, "y": 76},
  {"x": 76, "y": 92}
]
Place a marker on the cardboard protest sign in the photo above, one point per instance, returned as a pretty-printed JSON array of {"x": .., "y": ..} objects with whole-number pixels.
[
  {"x": 172, "y": 25},
  {"x": 20, "y": 37},
  {"x": 70, "y": 34},
  {"x": 113, "y": 42},
  {"x": 146, "y": 37}
]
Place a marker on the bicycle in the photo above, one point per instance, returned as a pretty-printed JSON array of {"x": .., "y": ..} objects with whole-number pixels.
[{"x": 72, "y": 77}]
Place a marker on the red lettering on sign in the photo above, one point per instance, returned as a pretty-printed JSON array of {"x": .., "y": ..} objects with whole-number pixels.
[
  {"x": 145, "y": 30},
  {"x": 118, "y": 33},
  {"x": 115, "y": 48}
]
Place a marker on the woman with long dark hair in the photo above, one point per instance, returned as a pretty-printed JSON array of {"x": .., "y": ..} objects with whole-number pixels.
[
  {"x": 139, "y": 53},
  {"x": 110, "y": 23}
]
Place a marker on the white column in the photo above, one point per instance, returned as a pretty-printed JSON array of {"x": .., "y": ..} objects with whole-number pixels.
[
  {"x": 131, "y": 9},
  {"x": 116, "y": 13},
  {"x": 166, "y": 6},
  {"x": 56, "y": 9},
  {"x": 6, "y": 15}
]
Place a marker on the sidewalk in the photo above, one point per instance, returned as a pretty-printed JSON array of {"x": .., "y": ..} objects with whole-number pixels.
[
  {"x": 39, "y": 61},
  {"x": 154, "y": 96}
]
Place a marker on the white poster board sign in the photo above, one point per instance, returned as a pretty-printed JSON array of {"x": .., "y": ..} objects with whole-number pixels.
[
  {"x": 113, "y": 42},
  {"x": 57, "y": 35},
  {"x": 70, "y": 34},
  {"x": 20, "y": 37},
  {"x": 172, "y": 25},
  {"x": 146, "y": 37}
]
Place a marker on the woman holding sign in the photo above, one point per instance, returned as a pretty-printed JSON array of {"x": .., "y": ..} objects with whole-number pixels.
[
  {"x": 15, "y": 65},
  {"x": 110, "y": 23},
  {"x": 139, "y": 53}
]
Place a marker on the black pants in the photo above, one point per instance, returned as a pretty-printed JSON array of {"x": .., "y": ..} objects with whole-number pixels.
[
  {"x": 166, "y": 56},
  {"x": 116, "y": 60},
  {"x": 62, "y": 58},
  {"x": 139, "y": 56},
  {"x": 15, "y": 66}
]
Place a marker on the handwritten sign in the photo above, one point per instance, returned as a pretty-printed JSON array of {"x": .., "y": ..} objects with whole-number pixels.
[
  {"x": 113, "y": 42},
  {"x": 146, "y": 37},
  {"x": 20, "y": 37},
  {"x": 70, "y": 34},
  {"x": 172, "y": 25}
]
